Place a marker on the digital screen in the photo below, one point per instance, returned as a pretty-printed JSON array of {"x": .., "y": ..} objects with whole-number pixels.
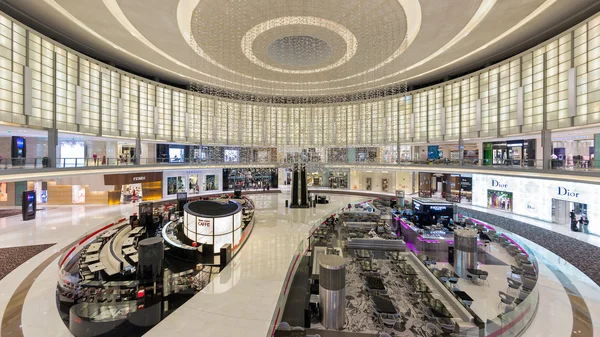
[
  {"x": 176, "y": 155},
  {"x": 433, "y": 152},
  {"x": 20, "y": 143}
]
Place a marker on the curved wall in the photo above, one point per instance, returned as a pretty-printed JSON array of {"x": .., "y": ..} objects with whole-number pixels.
[{"x": 44, "y": 84}]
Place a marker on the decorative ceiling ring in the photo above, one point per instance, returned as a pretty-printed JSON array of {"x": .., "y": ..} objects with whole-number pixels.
[
  {"x": 343, "y": 32},
  {"x": 185, "y": 13}
]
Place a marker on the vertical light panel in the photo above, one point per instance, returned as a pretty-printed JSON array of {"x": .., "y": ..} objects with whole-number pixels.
[
  {"x": 520, "y": 105},
  {"x": 27, "y": 90},
  {"x": 120, "y": 114},
  {"x": 572, "y": 93},
  {"x": 155, "y": 113},
  {"x": 478, "y": 115},
  {"x": 186, "y": 124},
  {"x": 443, "y": 121},
  {"x": 78, "y": 102},
  {"x": 412, "y": 125}
]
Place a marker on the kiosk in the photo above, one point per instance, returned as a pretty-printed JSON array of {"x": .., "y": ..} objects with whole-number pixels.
[{"x": 428, "y": 211}]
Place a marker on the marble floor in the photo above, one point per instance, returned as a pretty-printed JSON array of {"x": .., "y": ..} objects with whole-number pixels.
[
  {"x": 243, "y": 298},
  {"x": 485, "y": 293},
  {"x": 60, "y": 225}
]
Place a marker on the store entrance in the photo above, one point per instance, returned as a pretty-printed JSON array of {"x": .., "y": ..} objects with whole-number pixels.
[{"x": 561, "y": 210}]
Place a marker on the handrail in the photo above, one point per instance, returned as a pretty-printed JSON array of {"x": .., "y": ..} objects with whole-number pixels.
[
  {"x": 70, "y": 163},
  {"x": 514, "y": 322}
]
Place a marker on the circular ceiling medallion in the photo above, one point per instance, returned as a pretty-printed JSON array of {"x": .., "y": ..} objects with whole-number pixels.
[
  {"x": 299, "y": 51},
  {"x": 252, "y": 34}
]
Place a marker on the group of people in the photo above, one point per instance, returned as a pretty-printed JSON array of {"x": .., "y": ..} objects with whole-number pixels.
[{"x": 583, "y": 223}]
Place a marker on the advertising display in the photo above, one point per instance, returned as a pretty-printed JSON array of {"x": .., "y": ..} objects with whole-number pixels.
[
  {"x": 78, "y": 194},
  {"x": 176, "y": 154},
  {"x": 500, "y": 200},
  {"x": 194, "y": 184},
  {"x": 433, "y": 152},
  {"x": 131, "y": 193},
  {"x": 175, "y": 184},
  {"x": 3, "y": 194},
  {"x": 28, "y": 205},
  {"x": 533, "y": 197},
  {"x": 211, "y": 183},
  {"x": 72, "y": 154}
]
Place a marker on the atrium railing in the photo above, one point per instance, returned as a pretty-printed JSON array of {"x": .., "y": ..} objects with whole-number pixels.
[{"x": 71, "y": 163}]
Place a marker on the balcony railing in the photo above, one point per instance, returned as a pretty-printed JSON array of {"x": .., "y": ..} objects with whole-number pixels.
[{"x": 74, "y": 163}]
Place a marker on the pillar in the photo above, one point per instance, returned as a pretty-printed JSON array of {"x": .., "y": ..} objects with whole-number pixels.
[
  {"x": 461, "y": 151},
  {"x": 546, "y": 149},
  {"x": 465, "y": 251},
  {"x": 138, "y": 151},
  {"x": 596, "y": 162},
  {"x": 151, "y": 253},
  {"x": 332, "y": 291},
  {"x": 52, "y": 147}
]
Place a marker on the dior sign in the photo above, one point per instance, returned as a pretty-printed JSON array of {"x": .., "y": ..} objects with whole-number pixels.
[
  {"x": 496, "y": 183},
  {"x": 563, "y": 191}
]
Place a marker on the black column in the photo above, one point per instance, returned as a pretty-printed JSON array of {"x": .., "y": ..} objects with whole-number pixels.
[{"x": 295, "y": 189}]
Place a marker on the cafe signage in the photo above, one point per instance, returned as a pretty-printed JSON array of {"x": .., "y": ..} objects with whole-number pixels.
[{"x": 203, "y": 222}]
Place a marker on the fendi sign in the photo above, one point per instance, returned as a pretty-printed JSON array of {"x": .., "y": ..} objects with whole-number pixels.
[{"x": 132, "y": 178}]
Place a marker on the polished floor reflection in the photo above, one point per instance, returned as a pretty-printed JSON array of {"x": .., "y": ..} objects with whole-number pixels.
[{"x": 242, "y": 299}]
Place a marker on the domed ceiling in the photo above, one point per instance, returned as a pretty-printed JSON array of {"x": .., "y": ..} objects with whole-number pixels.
[{"x": 300, "y": 47}]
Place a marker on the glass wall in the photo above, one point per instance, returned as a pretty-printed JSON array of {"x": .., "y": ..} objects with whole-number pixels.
[{"x": 44, "y": 84}]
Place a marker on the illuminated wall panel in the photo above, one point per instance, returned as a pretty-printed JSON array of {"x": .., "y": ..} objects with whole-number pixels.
[
  {"x": 58, "y": 75},
  {"x": 146, "y": 110},
  {"x": 111, "y": 92},
  {"x": 435, "y": 104},
  {"x": 66, "y": 81},
  {"x": 593, "y": 78},
  {"x": 179, "y": 116},
  {"x": 130, "y": 96}
]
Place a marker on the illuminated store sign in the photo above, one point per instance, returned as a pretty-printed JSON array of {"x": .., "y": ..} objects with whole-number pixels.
[
  {"x": 438, "y": 208},
  {"x": 496, "y": 183},
  {"x": 203, "y": 222},
  {"x": 566, "y": 192}
]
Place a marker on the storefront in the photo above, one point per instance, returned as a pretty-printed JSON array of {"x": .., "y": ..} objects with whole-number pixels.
[
  {"x": 191, "y": 181},
  {"x": 574, "y": 150},
  {"x": 540, "y": 199},
  {"x": 337, "y": 179},
  {"x": 514, "y": 152},
  {"x": 426, "y": 180},
  {"x": 126, "y": 152},
  {"x": 250, "y": 178},
  {"x": 133, "y": 187},
  {"x": 315, "y": 179},
  {"x": 429, "y": 212},
  {"x": 466, "y": 188}
]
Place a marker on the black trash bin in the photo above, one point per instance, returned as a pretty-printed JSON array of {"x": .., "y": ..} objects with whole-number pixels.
[{"x": 286, "y": 204}]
